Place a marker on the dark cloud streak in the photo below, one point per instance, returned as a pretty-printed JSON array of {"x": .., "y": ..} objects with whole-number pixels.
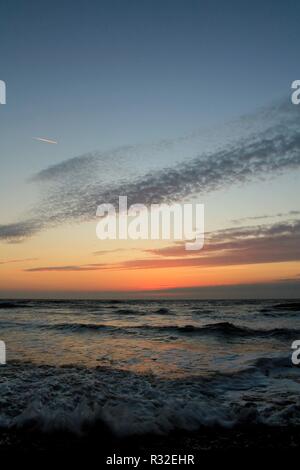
[
  {"x": 72, "y": 190},
  {"x": 248, "y": 245}
]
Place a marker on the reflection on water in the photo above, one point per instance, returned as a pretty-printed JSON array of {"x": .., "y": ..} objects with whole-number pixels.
[{"x": 173, "y": 338}]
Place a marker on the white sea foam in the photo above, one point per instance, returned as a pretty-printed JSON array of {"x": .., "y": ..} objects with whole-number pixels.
[{"x": 76, "y": 399}]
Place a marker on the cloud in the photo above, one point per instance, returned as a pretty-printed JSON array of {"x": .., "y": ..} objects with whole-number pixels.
[
  {"x": 266, "y": 290},
  {"x": 68, "y": 268},
  {"x": 16, "y": 232},
  {"x": 254, "y": 147},
  {"x": 22, "y": 260},
  {"x": 265, "y": 216},
  {"x": 116, "y": 250},
  {"x": 246, "y": 245},
  {"x": 235, "y": 246}
]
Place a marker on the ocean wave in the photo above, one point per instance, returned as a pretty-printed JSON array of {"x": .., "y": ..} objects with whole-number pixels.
[
  {"x": 81, "y": 327},
  {"x": 162, "y": 311},
  {"x": 270, "y": 363},
  {"x": 12, "y": 304},
  {"x": 127, "y": 311},
  {"x": 203, "y": 311},
  {"x": 217, "y": 329},
  {"x": 229, "y": 329},
  {"x": 285, "y": 308},
  {"x": 75, "y": 399},
  {"x": 294, "y": 306}
]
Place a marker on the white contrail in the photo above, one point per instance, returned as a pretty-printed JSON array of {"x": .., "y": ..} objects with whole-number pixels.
[{"x": 48, "y": 141}]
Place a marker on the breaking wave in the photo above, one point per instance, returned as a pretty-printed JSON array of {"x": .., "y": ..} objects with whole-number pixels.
[{"x": 76, "y": 399}]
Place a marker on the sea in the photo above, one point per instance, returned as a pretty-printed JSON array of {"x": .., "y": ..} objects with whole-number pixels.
[{"x": 145, "y": 367}]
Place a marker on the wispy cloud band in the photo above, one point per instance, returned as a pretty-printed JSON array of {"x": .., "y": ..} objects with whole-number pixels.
[
  {"x": 245, "y": 245},
  {"x": 258, "y": 147}
]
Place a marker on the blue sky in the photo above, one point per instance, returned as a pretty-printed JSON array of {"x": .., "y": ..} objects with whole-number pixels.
[{"x": 98, "y": 74}]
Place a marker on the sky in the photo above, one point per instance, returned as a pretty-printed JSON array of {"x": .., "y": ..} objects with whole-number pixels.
[{"x": 164, "y": 101}]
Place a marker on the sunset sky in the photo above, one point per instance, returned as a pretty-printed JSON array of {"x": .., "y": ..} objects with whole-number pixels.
[{"x": 162, "y": 101}]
